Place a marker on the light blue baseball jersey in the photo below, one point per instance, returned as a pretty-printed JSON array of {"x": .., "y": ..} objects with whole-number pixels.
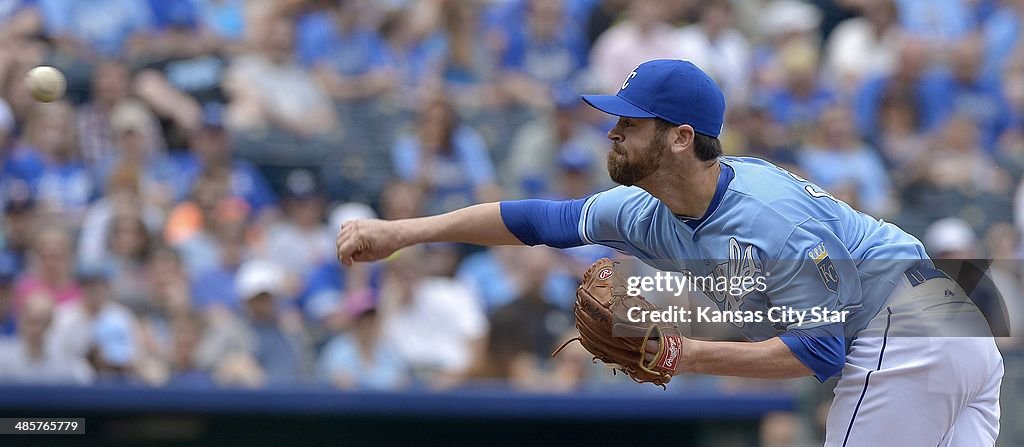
[{"x": 811, "y": 249}]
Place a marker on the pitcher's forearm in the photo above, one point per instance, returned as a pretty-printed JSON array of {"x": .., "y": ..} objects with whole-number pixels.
[
  {"x": 769, "y": 359},
  {"x": 478, "y": 224}
]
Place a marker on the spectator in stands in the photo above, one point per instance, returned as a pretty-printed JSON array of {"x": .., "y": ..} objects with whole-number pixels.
[
  {"x": 863, "y": 46},
  {"x": 214, "y": 284},
  {"x": 133, "y": 126},
  {"x": 524, "y": 330},
  {"x": 269, "y": 90},
  {"x": 29, "y": 358},
  {"x": 97, "y": 328},
  {"x": 781, "y": 24},
  {"x": 912, "y": 62},
  {"x": 837, "y": 160},
  {"x": 542, "y": 52},
  {"x": 901, "y": 89},
  {"x": 965, "y": 90},
  {"x": 48, "y": 159},
  {"x": 643, "y": 35},
  {"x": 170, "y": 339},
  {"x": 280, "y": 350},
  {"x": 168, "y": 299},
  {"x": 110, "y": 85},
  {"x": 168, "y": 284},
  {"x": 122, "y": 195},
  {"x": 719, "y": 49},
  {"x": 346, "y": 55},
  {"x": 754, "y": 132},
  {"x": 415, "y": 46},
  {"x": 469, "y": 69},
  {"x": 802, "y": 98},
  {"x": 187, "y": 334},
  {"x": 129, "y": 242},
  {"x": 299, "y": 241},
  {"x": 435, "y": 322},
  {"x": 537, "y": 147},
  {"x": 361, "y": 359},
  {"x": 50, "y": 268},
  {"x": 897, "y": 138},
  {"x": 487, "y": 273},
  {"x": 94, "y": 28},
  {"x": 115, "y": 352},
  {"x": 445, "y": 158},
  {"x": 211, "y": 147},
  {"x": 193, "y": 225},
  {"x": 957, "y": 178},
  {"x": 18, "y": 223},
  {"x": 182, "y": 66},
  {"x": 530, "y": 316}
]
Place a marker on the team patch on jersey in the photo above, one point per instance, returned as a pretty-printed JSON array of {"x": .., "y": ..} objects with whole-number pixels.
[{"x": 826, "y": 269}]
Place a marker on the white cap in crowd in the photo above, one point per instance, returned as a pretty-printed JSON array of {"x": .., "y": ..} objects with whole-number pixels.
[
  {"x": 949, "y": 234},
  {"x": 258, "y": 276}
]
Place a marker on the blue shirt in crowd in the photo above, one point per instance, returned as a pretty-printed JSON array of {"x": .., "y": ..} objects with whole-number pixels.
[
  {"x": 350, "y": 52},
  {"x": 104, "y": 24}
]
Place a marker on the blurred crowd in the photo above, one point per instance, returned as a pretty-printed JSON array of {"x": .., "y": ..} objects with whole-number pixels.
[{"x": 172, "y": 220}]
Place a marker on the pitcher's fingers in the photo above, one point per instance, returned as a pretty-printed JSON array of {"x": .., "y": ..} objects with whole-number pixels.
[
  {"x": 339, "y": 240},
  {"x": 347, "y": 247},
  {"x": 343, "y": 233}
]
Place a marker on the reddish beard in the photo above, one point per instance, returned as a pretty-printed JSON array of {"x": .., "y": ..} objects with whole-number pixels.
[{"x": 627, "y": 170}]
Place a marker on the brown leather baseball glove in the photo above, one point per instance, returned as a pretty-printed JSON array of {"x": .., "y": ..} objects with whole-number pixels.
[{"x": 602, "y": 308}]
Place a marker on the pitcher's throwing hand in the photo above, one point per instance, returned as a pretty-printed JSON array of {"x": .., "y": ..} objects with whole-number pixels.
[{"x": 367, "y": 240}]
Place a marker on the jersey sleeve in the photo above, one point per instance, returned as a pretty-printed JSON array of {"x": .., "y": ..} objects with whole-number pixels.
[
  {"x": 609, "y": 217},
  {"x": 822, "y": 349}
]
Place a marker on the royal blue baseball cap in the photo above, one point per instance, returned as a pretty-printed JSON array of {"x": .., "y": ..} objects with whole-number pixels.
[{"x": 674, "y": 90}]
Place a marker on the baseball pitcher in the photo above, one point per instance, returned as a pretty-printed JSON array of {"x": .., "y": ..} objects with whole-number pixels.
[{"x": 906, "y": 377}]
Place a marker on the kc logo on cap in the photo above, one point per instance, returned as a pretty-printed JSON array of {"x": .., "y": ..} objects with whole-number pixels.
[{"x": 632, "y": 75}]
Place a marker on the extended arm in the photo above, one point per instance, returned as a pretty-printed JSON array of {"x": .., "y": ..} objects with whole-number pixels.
[
  {"x": 528, "y": 222},
  {"x": 370, "y": 240}
]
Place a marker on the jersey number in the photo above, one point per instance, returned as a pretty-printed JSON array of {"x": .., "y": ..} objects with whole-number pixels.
[{"x": 811, "y": 189}]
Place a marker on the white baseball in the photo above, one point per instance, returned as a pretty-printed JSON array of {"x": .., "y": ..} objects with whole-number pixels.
[{"x": 45, "y": 83}]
